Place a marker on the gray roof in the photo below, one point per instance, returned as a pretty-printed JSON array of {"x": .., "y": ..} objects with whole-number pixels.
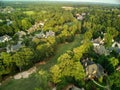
[
  {"x": 50, "y": 33},
  {"x": 101, "y": 50},
  {"x": 16, "y": 47},
  {"x": 95, "y": 70}
]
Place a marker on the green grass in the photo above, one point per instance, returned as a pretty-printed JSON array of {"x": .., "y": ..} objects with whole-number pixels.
[
  {"x": 29, "y": 12},
  {"x": 62, "y": 48},
  {"x": 32, "y": 82}
]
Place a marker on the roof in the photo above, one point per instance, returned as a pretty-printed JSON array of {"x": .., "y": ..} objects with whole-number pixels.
[
  {"x": 50, "y": 33},
  {"x": 97, "y": 40},
  {"x": 5, "y": 36},
  {"x": 16, "y": 47},
  {"x": 95, "y": 70},
  {"x": 21, "y": 33},
  {"x": 101, "y": 50},
  {"x": 118, "y": 68},
  {"x": 116, "y": 44},
  {"x": 40, "y": 35}
]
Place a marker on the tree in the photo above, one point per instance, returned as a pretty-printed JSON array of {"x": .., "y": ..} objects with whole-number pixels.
[
  {"x": 23, "y": 57},
  {"x": 7, "y": 61},
  {"x": 114, "y": 81},
  {"x": 25, "y": 24},
  {"x": 67, "y": 67},
  {"x": 108, "y": 40},
  {"x": 113, "y": 62}
]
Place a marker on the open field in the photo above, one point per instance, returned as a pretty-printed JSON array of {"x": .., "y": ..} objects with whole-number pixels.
[{"x": 29, "y": 12}]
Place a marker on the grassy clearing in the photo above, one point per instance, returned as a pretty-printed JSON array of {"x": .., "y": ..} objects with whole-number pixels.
[
  {"x": 32, "y": 82},
  {"x": 29, "y": 12}
]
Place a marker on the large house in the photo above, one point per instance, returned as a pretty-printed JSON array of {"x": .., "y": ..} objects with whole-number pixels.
[
  {"x": 92, "y": 70},
  {"x": 50, "y": 34},
  {"x": 79, "y": 17},
  {"x": 46, "y": 35},
  {"x": 13, "y": 48},
  {"x": 101, "y": 50},
  {"x": 35, "y": 27},
  {"x": 98, "y": 41},
  {"x": 5, "y": 38},
  {"x": 40, "y": 35},
  {"x": 115, "y": 47},
  {"x": 21, "y": 33},
  {"x": 99, "y": 47}
]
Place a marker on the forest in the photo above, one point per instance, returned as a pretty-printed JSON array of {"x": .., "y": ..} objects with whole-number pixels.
[{"x": 72, "y": 46}]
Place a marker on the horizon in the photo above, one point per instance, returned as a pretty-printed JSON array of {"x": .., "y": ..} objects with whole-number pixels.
[{"x": 89, "y": 1}]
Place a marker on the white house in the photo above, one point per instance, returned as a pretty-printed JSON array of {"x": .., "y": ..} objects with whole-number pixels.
[
  {"x": 5, "y": 38},
  {"x": 116, "y": 44},
  {"x": 79, "y": 17},
  {"x": 21, "y": 33}
]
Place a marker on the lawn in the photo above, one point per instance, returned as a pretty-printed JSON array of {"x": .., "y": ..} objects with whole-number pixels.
[
  {"x": 32, "y": 82},
  {"x": 29, "y": 12}
]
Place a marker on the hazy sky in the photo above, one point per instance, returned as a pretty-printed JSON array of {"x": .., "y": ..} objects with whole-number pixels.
[{"x": 102, "y": 1}]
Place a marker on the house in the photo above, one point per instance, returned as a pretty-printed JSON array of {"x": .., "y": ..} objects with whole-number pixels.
[
  {"x": 119, "y": 15},
  {"x": 116, "y": 44},
  {"x": 83, "y": 14},
  {"x": 35, "y": 27},
  {"x": 115, "y": 47},
  {"x": 92, "y": 70},
  {"x": 13, "y": 48},
  {"x": 98, "y": 41},
  {"x": 41, "y": 23},
  {"x": 40, "y": 35},
  {"x": 79, "y": 17},
  {"x": 5, "y": 38},
  {"x": 100, "y": 49},
  {"x": 21, "y": 33},
  {"x": 98, "y": 46},
  {"x": 50, "y": 34},
  {"x": 118, "y": 68}
]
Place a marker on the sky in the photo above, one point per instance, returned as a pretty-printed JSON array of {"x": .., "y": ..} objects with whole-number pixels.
[{"x": 101, "y": 1}]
